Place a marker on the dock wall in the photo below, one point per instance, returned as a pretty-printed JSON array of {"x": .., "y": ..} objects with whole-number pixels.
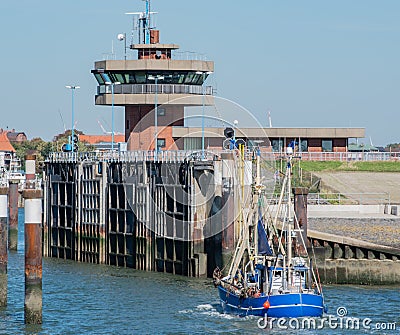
[
  {"x": 143, "y": 214},
  {"x": 177, "y": 216},
  {"x": 345, "y": 260}
]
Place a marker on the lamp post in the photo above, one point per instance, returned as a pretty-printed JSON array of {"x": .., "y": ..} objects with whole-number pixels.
[
  {"x": 203, "y": 108},
  {"x": 155, "y": 78},
  {"x": 112, "y": 110},
  {"x": 72, "y": 88}
]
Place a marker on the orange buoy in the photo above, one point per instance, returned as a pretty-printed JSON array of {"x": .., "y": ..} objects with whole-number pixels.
[{"x": 266, "y": 304}]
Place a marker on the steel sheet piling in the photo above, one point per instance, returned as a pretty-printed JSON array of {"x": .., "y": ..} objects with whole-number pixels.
[
  {"x": 13, "y": 215},
  {"x": 33, "y": 256},
  {"x": 3, "y": 245}
]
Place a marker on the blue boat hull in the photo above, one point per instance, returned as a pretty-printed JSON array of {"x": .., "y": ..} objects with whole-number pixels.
[{"x": 290, "y": 305}]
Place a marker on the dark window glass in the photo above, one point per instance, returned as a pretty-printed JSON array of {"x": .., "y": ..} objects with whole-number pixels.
[
  {"x": 167, "y": 78},
  {"x": 196, "y": 78},
  {"x": 277, "y": 145},
  {"x": 140, "y": 77},
  {"x": 180, "y": 78},
  {"x": 304, "y": 145},
  {"x": 106, "y": 78},
  {"x": 327, "y": 146},
  {"x": 189, "y": 78},
  {"x": 120, "y": 78},
  {"x": 161, "y": 142},
  {"x": 112, "y": 77},
  {"x": 99, "y": 78}
]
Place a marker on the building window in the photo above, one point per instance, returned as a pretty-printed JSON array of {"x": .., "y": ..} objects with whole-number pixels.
[
  {"x": 160, "y": 111},
  {"x": 277, "y": 145},
  {"x": 304, "y": 145},
  {"x": 327, "y": 146},
  {"x": 160, "y": 142}
]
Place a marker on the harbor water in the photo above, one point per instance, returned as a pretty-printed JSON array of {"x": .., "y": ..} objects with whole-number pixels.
[{"x": 97, "y": 299}]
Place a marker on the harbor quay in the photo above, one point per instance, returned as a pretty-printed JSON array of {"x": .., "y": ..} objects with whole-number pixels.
[
  {"x": 176, "y": 213},
  {"x": 168, "y": 197}
]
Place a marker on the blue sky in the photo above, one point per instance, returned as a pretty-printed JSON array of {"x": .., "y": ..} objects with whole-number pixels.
[{"x": 311, "y": 63}]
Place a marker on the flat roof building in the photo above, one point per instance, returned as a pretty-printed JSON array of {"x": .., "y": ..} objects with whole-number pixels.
[{"x": 155, "y": 88}]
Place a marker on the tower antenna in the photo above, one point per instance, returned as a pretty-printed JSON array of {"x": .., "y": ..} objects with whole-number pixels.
[{"x": 144, "y": 23}]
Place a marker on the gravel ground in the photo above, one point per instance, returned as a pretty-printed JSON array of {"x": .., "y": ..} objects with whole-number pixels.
[{"x": 382, "y": 231}]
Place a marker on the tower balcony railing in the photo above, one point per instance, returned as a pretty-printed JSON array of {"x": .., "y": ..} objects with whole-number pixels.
[{"x": 151, "y": 89}]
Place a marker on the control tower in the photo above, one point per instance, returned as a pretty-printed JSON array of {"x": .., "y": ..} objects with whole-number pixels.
[{"x": 155, "y": 78}]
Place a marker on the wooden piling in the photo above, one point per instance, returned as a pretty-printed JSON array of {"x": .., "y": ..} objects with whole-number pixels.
[
  {"x": 300, "y": 209},
  {"x": 3, "y": 245},
  {"x": 13, "y": 215},
  {"x": 30, "y": 171},
  {"x": 33, "y": 256}
]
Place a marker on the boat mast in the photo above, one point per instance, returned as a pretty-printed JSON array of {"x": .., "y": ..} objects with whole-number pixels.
[
  {"x": 289, "y": 226},
  {"x": 258, "y": 189}
]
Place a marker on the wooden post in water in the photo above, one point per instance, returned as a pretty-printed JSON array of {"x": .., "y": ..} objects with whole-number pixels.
[
  {"x": 13, "y": 214},
  {"x": 33, "y": 256},
  {"x": 33, "y": 245},
  {"x": 30, "y": 171},
  {"x": 300, "y": 209},
  {"x": 3, "y": 245}
]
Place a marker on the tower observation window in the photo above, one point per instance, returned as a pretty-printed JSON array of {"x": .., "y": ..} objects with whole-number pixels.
[
  {"x": 99, "y": 78},
  {"x": 142, "y": 77},
  {"x": 106, "y": 78}
]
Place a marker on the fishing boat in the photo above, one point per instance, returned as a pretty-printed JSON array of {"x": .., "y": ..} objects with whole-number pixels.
[{"x": 267, "y": 274}]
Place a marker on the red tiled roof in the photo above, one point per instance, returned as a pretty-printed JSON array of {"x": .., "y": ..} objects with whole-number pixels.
[
  {"x": 93, "y": 139},
  {"x": 5, "y": 144}
]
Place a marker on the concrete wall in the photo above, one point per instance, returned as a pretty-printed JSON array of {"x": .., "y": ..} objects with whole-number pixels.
[
  {"x": 360, "y": 271},
  {"x": 321, "y": 210}
]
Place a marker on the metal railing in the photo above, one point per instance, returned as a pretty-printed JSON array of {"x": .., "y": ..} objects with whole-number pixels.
[
  {"x": 132, "y": 156},
  {"x": 346, "y": 156},
  {"x": 188, "y": 55},
  {"x": 144, "y": 154},
  {"x": 151, "y": 89},
  {"x": 340, "y": 198},
  {"x": 348, "y": 198}
]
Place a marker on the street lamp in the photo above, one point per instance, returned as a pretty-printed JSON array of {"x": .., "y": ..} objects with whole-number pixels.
[
  {"x": 112, "y": 110},
  {"x": 72, "y": 88},
  {"x": 203, "y": 103},
  {"x": 155, "y": 78}
]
